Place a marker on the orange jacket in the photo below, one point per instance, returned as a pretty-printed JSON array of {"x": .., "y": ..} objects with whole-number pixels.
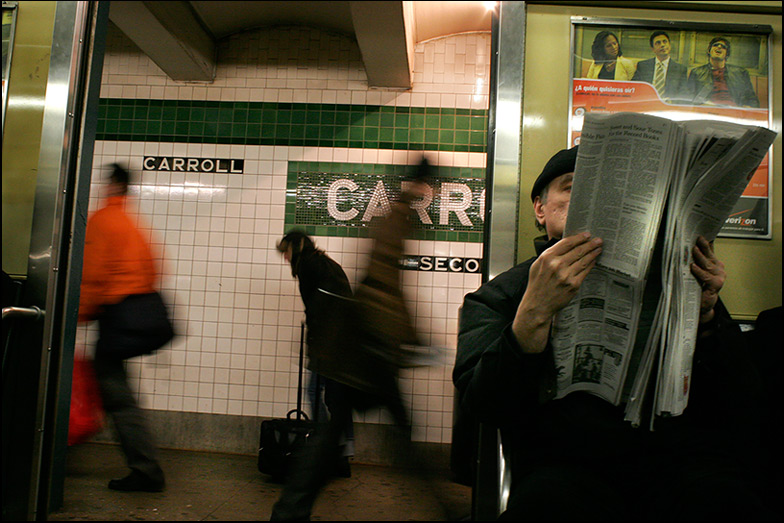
[{"x": 118, "y": 261}]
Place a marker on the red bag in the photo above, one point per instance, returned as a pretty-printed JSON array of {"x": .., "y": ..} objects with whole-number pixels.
[{"x": 86, "y": 417}]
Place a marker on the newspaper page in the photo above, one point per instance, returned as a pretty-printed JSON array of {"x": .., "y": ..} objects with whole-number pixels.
[
  {"x": 623, "y": 171},
  {"x": 704, "y": 207},
  {"x": 635, "y": 401},
  {"x": 592, "y": 336},
  {"x": 722, "y": 157},
  {"x": 704, "y": 143}
]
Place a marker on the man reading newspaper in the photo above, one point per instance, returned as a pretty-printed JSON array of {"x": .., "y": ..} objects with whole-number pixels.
[{"x": 576, "y": 458}]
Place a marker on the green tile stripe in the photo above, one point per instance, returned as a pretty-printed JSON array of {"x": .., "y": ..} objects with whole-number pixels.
[
  {"x": 293, "y": 124},
  {"x": 307, "y": 198}
]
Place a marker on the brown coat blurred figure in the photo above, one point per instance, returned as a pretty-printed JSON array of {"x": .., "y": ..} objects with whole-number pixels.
[
  {"x": 364, "y": 369},
  {"x": 386, "y": 328}
]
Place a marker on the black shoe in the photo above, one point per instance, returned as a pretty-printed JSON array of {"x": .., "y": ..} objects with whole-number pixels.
[{"x": 137, "y": 482}]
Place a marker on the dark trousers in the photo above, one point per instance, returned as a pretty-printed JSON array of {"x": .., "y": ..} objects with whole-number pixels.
[
  {"x": 313, "y": 464},
  {"x": 321, "y": 404},
  {"x": 130, "y": 423}
]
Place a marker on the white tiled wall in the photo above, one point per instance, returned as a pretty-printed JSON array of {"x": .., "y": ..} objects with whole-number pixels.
[{"x": 233, "y": 296}]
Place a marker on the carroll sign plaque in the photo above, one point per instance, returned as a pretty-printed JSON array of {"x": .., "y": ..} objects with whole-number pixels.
[{"x": 193, "y": 165}]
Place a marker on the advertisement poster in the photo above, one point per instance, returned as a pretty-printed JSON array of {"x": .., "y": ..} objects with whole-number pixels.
[{"x": 680, "y": 71}]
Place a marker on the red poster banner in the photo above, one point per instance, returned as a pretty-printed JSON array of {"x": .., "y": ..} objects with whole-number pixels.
[{"x": 610, "y": 96}]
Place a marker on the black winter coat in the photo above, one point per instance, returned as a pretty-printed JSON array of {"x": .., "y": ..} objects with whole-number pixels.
[{"x": 501, "y": 386}]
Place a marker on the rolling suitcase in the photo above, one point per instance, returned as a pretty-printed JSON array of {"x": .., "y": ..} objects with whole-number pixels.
[{"x": 281, "y": 437}]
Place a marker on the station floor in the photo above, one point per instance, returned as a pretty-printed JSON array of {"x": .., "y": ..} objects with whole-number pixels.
[{"x": 203, "y": 486}]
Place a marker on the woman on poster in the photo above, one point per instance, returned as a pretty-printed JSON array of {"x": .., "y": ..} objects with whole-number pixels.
[{"x": 608, "y": 61}]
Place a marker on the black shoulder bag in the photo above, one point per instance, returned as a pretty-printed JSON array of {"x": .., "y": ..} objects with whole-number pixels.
[{"x": 137, "y": 325}]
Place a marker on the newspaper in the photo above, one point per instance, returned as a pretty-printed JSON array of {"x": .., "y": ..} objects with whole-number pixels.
[{"x": 628, "y": 167}]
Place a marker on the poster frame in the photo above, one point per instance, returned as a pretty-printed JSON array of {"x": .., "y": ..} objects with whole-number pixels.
[{"x": 752, "y": 217}]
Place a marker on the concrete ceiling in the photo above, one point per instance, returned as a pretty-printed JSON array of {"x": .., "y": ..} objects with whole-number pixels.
[{"x": 181, "y": 37}]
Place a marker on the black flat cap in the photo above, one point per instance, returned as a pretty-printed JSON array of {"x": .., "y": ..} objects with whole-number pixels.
[{"x": 562, "y": 163}]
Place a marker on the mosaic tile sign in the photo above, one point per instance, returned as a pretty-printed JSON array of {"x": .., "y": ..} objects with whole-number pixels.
[{"x": 339, "y": 199}]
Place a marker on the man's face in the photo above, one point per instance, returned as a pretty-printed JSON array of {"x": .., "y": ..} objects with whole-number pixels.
[
  {"x": 718, "y": 50},
  {"x": 287, "y": 253},
  {"x": 661, "y": 47},
  {"x": 552, "y": 211}
]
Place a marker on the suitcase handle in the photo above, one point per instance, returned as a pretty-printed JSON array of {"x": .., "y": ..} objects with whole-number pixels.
[
  {"x": 300, "y": 414},
  {"x": 299, "y": 374}
]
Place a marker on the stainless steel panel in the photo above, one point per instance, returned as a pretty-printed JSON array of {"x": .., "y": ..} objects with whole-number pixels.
[
  {"x": 57, "y": 142},
  {"x": 493, "y": 476},
  {"x": 504, "y": 146}
]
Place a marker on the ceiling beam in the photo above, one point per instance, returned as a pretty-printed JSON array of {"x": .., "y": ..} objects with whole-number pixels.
[
  {"x": 171, "y": 35},
  {"x": 386, "y": 49}
]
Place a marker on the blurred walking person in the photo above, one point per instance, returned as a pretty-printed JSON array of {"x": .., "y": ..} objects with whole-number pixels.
[
  {"x": 118, "y": 288},
  {"x": 366, "y": 333}
]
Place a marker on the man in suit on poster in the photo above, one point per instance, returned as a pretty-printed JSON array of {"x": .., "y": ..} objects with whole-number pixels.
[{"x": 666, "y": 75}]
